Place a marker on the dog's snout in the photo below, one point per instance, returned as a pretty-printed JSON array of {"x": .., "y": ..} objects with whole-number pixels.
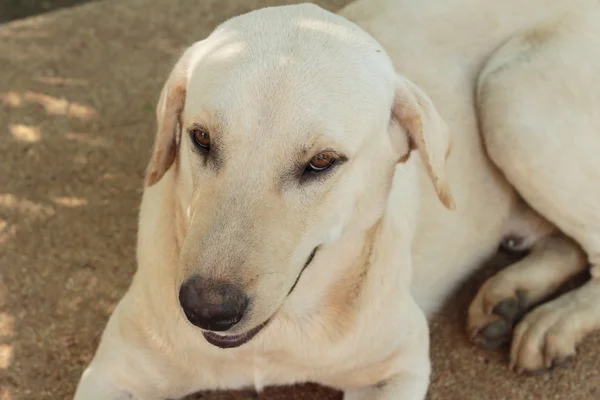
[{"x": 210, "y": 305}]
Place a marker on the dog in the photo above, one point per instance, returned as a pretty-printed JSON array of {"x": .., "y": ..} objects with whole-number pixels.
[{"x": 320, "y": 183}]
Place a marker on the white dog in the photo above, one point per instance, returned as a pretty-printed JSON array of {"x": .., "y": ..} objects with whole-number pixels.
[{"x": 318, "y": 186}]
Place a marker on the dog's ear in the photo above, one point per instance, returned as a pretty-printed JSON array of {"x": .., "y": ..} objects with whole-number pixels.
[
  {"x": 414, "y": 111},
  {"x": 168, "y": 112}
]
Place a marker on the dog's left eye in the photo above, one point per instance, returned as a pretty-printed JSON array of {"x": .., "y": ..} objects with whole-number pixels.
[
  {"x": 201, "y": 137},
  {"x": 321, "y": 162}
]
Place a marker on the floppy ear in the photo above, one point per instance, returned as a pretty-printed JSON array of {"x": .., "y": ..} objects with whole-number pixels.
[
  {"x": 427, "y": 132},
  {"x": 168, "y": 112}
]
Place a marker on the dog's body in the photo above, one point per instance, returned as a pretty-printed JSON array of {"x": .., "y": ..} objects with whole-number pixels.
[{"x": 355, "y": 317}]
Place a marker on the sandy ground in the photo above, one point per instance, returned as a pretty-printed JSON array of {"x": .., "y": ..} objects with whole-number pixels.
[{"x": 77, "y": 93}]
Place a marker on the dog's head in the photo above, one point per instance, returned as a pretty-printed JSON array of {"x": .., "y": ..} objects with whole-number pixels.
[{"x": 284, "y": 127}]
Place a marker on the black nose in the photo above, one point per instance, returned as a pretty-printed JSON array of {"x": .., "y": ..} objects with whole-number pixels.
[{"x": 210, "y": 305}]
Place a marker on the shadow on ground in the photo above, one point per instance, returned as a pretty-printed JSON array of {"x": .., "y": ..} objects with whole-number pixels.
[{"x": 16, "y": 9}]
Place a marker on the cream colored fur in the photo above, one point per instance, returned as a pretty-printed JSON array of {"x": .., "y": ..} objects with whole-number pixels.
[{"x": 446, "y": 130}]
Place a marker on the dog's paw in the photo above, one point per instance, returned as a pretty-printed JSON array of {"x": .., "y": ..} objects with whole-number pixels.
[
  {"x": 548, "y": 336},
  {"x": 495, "y": 311}
]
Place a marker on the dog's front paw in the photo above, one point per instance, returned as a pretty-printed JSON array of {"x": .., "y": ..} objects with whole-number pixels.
[
  {"x": 507, "y": 296},
  {"x": 495, "y": 311},
  {"x": 548, "y": 336}
]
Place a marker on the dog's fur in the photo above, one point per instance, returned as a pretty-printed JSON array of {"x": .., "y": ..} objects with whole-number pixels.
[{"x": 492, "y": 114}]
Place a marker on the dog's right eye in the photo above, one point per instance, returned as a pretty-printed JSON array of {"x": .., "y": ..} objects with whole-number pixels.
[
  {"x": 321, "y": 162},
  {"x": 201, "y": 137},
  {"x": 320, "y": 165}
]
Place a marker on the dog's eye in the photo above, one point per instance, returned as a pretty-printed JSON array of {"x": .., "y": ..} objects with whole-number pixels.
[
  {"x": 321, "y": 161},
  {"x": 201, "y": 137}
]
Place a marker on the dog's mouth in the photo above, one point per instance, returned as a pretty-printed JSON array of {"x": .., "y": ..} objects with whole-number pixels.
[
  {"x": 306, "y": 264},
  {"x": 232, "y": 341}
]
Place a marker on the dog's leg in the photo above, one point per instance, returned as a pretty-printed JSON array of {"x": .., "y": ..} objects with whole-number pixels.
[
  {"x": 125, "y": 367},
  {"x": 538, "y": 101},
  {"x": 411, "y": 367},
  {"x": 508, "y": 295},
  {"x": 95, "y": 384}
]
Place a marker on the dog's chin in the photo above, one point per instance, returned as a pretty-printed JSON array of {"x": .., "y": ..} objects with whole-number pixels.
[{"x": 231, "y": 341}]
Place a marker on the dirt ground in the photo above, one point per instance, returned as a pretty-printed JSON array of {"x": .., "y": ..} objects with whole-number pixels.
[{"x": 77, "y": 93}]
